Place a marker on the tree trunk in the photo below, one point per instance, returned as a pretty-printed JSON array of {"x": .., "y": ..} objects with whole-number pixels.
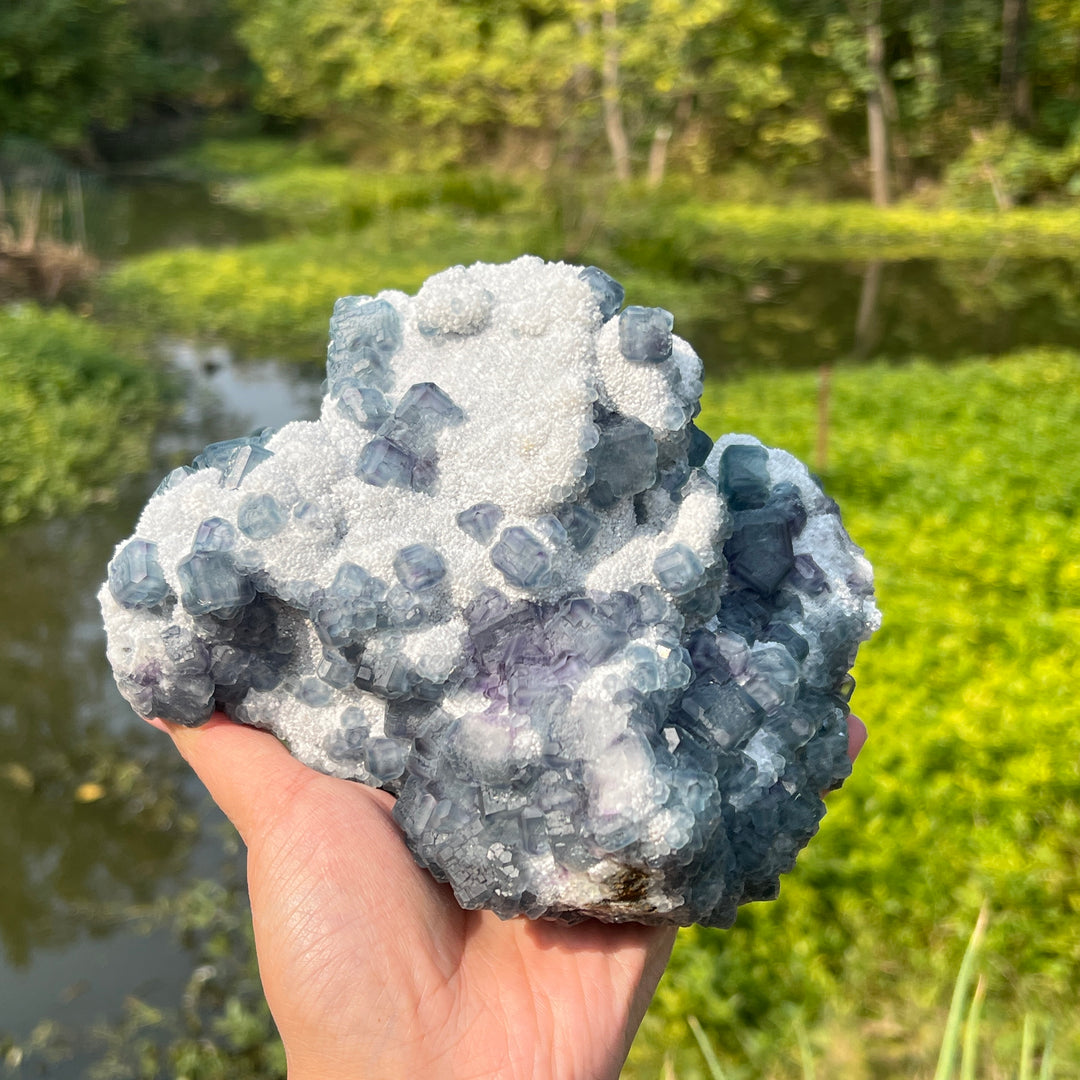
[
  {"x": 613, "y": 117},
  {"x": 658, "y": 155},
  {"x": 877, "y": 127},
  {"x": 1015, "y": 86}
]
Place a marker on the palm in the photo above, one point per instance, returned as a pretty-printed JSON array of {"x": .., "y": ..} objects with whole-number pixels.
[{"x": 371, "y": 968}]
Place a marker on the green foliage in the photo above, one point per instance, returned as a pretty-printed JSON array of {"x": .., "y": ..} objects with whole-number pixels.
[
  {"x": 1003, "y": 168},
  {"x": 242, "y": 158},
  {"x": 962, "y": 483},
  {"x": 275, "y": 298},
  {"x": 75, "y": 414},
  {"x": 66, "y": 64},
  {"x": 695, "y": 257},
  {"x": 857, "y": 230},
  {"x": 331, "y": 197}
]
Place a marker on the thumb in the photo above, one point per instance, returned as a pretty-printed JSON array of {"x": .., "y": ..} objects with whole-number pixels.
[{"x": 248, "y": 773}]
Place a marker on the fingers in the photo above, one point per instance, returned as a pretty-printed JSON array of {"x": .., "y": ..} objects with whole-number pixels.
[{"x": 248, "y": 773}]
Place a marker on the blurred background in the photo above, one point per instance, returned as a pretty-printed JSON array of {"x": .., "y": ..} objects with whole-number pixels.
[{"x": 863, "y": 214}]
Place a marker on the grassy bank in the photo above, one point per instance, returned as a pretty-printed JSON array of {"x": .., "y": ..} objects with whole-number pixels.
[
  {"x": 344, "y": 231},
  {"x": 275, "y": 299},
  {"x": 76, "y": 414},
  {"x": 860, "y": 231},
  {"x": 962, "y": 484}
]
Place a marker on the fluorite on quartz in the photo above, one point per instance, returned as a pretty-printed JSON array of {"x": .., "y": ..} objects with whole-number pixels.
[{"x": 601, "y": 662}]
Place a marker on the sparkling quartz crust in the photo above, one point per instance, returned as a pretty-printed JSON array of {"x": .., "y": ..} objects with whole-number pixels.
[{"x": 602, "y": 664}]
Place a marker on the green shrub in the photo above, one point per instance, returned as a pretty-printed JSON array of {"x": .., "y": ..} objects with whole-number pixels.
[
  {"x": 75, "y": 415},
  {"x": 1003, "y": 168},
  {"x": 963, "y": 484}
]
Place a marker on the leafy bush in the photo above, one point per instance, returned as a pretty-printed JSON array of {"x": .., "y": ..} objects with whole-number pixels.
[
  {"x": 963, "y": 483},
  {"x": 1004, "y": 168},
  {"x": 75, "y": 414}
]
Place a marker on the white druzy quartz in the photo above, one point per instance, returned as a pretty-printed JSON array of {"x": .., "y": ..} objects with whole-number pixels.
[{"x": 602, "y": 663}]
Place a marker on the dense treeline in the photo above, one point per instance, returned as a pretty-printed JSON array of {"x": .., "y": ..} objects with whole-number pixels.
[{"x": 876, "y": 96}]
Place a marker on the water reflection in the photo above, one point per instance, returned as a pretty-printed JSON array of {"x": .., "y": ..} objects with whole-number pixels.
[
  {"x": 91, "y": 814},
  {"x": 138, "y": 215},
  {"x": 98, "y": 815},
  {"x": 791, "y": 314}
]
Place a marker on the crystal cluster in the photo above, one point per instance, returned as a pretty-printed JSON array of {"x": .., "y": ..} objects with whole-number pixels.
[{"x": 601, "y": 662}]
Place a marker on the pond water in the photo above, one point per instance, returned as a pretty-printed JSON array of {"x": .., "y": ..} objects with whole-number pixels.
[
  {"x": 98, "y": 819},
  {"x": 798, "y": 314}
]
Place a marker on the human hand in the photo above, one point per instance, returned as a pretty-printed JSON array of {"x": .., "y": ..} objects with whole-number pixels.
[{"x": 372, "y": 970}]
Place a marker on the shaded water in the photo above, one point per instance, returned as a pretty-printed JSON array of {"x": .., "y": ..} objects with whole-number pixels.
[
  {"x": 139, "y": 216},
  {"x": 97, "y": 816},
  {"x": 797, "y": 314}
]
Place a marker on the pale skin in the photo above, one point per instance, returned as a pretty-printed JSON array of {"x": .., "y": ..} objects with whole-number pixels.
[{"x": 372, "y": 970}]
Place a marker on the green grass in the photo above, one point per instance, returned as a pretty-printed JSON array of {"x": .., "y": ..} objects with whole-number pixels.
[
  {"x": 330, "y": 197},
  {"x": 76, "y": 414},
  {"x": 856, "y": 230},
  {"x": 274, "y": 299},
  {"x": 963, "y": 485}
]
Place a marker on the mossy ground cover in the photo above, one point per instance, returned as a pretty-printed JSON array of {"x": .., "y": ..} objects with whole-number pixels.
[
  {"x": 963, "y": 485},
  {"x": 76, "y": 413}
]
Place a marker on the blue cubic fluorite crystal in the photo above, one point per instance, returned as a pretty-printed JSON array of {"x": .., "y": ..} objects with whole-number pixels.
[
  {"x": 136, "y": 578},
  {"x": 419, "y": 567},
  {"x": 383, "y": 462},
  {"x": 678, "y": 569},
  {"x": 365, "y": 406},
  {"x": 609, "y": 294},
  {"x": 759, "y": 550},
  {"x": 171, "y": 479},
  {"x": 344, "y": 612},
  {"x": 235, "y": 458},
  {"x": 581, "y": 525},
  {"x": 214, "y": 534},
  {"x": 645, "y": 334},
  {"x": 744, "y": 476},
  {"x": 522, "y": 559},
  {"x": 364, "y": 335},
  {"x": 336, "y": 668},
  {"x": 480, "y": 521},
  {"x": 624, "y": 460},
  {"x": 384, "y": 758},
  {"x": 210, "y": 583},
  {"x": 426, "y": 403},
  {"x": 260, "y": 517},
  {"x": 700, "y": 447}
]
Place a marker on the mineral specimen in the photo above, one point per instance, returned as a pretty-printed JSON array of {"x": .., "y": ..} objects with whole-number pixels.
[{"x": 602, "y": 664}]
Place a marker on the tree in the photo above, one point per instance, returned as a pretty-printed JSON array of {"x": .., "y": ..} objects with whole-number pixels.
[
  {"x": 1015, "y": 86},
  {"x": 65, "y": 64}
]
